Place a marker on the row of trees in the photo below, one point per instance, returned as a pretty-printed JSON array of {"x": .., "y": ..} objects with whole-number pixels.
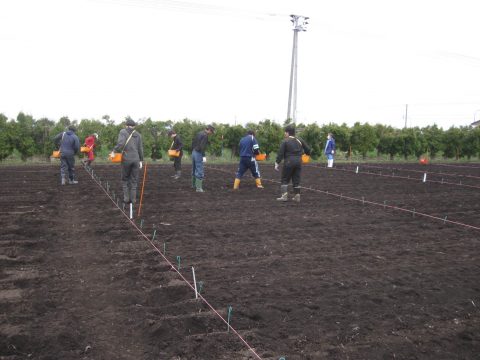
[{"x": 31, "y": 137}]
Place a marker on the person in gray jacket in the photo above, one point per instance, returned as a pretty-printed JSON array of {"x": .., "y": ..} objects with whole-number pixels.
[
  {"x": 130, "y": 144},
  {"x": 69, "y": 145}
]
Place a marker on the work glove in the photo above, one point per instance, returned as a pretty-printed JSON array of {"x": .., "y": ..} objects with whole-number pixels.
[
  {"x": 276, "y": 166},
  {"x": 204, "y": 159},
  {"x": 140, "y": 165},
  {"x": 333, "y": 152},
  {"x": 112, "y": 154}
]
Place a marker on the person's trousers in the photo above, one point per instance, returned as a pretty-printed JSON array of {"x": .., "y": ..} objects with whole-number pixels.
[
  {"x": 67, "y": 166},
  {"x": 197, "y": 165},
  {"x": 130, "y": 172},
  {"x": 248, "y": 163},
  {"x": 177, "y": 163},
  {"x": 292, "y": 170}
]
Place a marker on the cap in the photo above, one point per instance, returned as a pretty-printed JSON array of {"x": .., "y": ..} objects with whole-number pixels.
[
  {"x": 130, "y": 122},
  {"x": 171, "y": 132},
  {"x": 96, "y": 135},
  {"x": 211, "y": 128}
]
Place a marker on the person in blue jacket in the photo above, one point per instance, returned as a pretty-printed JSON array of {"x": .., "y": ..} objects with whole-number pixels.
[
  {"x": 330, "y": 149},
  {"x": 69, "y": 145},
  {"x": 248, "y": 149}
]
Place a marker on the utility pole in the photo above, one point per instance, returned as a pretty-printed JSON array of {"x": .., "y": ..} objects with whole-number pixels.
[
  {"x": 299, "y": 24},
  {"x": 406, "y": 115}
]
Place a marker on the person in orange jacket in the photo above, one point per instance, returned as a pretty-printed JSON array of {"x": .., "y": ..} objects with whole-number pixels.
[{"x": 90, "y": 143}]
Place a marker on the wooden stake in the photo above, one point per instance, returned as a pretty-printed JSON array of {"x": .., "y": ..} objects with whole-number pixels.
[{"x": 143, "y": 187}]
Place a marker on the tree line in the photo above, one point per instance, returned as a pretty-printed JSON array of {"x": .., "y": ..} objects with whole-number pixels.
[{"x": 31, "y": 137}]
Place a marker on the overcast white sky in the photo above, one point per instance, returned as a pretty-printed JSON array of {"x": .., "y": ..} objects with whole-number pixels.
[{"x": 229, "y": 61}]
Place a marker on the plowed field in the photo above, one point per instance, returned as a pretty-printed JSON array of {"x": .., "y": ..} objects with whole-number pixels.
[{"x": 336, "y": 276}]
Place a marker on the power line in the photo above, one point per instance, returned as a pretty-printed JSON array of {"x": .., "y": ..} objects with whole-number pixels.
[{"x": 197, "y": 8}]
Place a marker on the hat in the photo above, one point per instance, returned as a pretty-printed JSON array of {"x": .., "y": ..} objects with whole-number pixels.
[
  {"x": 96, "y": 135},
  {"x": 211, "y": 128},
  {"x": 130, "y": 122},
  {"x": 171, "y": 132},
  {"x": 72, "y": 128}
]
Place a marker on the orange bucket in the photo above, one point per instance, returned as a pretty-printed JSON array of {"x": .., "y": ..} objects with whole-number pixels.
[
  {"x": 173, "y": 153},
  {"x": 117, "y": 157},
  {"x": 305, "y": 159},
  {"x": 84, "y": 149},
  {"x": 56, "y": 154},
  {"x": 260, "y": 157}
]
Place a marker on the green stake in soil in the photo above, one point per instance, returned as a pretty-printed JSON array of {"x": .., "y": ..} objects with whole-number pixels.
[
  {"x": 154, "y": 233},
  {"x": 200, "y": 286},
  {"x": 229, "y": 316},
  {"x": 178, "y": 261},
  {"x": 164, "y": 249},
  {"x": 141, "y": 224}
]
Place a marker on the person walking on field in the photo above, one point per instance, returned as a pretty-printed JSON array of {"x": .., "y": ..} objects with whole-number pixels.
[
  {"x": 199, "y": 144},
  {"x": 90, "y": 143},
  {"x": 248, "y": 149},
  {"x": 177, "y": 145},
  {"x": 130, "y": 144},
  {"x": 69, "y": 145},
  {"x": 330, "y": 149},
  {"x": 291, "y": 150}
]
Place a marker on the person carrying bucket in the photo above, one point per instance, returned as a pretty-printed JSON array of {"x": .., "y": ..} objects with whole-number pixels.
[
  {"x": 177, "y": 145},
  {"x": 130, "y": 145},
  {"x": 330, "y": 149},
  {"x": 90, "y": 143},
  {"x": 248, "y": 149},
  {"x": 291, "y": 150},
  {"x": 69, "y": 146},
  {"x": 199, "y": 144}
]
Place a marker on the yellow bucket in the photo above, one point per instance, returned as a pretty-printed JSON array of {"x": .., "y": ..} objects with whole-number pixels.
[
  {"x": 305, "y": 159},
  {"x": 173, "y": 153},
  {"x": 260, "y": 157},
  {"x": 85, "y": 149},
  {"x": 56, "y": 154}
]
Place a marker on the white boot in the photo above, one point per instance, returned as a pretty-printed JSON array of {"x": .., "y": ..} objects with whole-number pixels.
[
  {"x": 330, "y": 163},
  {"x": 284, "y": 192}
]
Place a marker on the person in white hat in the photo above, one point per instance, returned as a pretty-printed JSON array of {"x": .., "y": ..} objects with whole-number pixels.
[
  {"x": 90, "y": 143},
  {"x": 330, "y": 149}
]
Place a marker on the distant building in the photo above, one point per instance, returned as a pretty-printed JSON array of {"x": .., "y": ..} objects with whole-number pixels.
[{"x": 475, "y": 124}]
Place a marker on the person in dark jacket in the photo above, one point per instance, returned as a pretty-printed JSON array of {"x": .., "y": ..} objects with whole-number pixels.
[
  {"x": 199, "y": 144},
  {"x": 248, "y": 149},
  {"x": 330, "y": 149},
  {"x": 130, "y": 144},
  {"x": 177, "y": 145},
  {"x": 69, "y": 145},
  {"x": 291, "y": 150}
]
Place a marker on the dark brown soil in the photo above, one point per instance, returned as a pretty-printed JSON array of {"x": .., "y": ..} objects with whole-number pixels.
[{"x": 328, "y": 278}]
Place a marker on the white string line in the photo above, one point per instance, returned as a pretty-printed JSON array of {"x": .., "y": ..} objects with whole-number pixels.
[
  {"x": 173, "y": 267},
  {"x": 341, "y": 196}
]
